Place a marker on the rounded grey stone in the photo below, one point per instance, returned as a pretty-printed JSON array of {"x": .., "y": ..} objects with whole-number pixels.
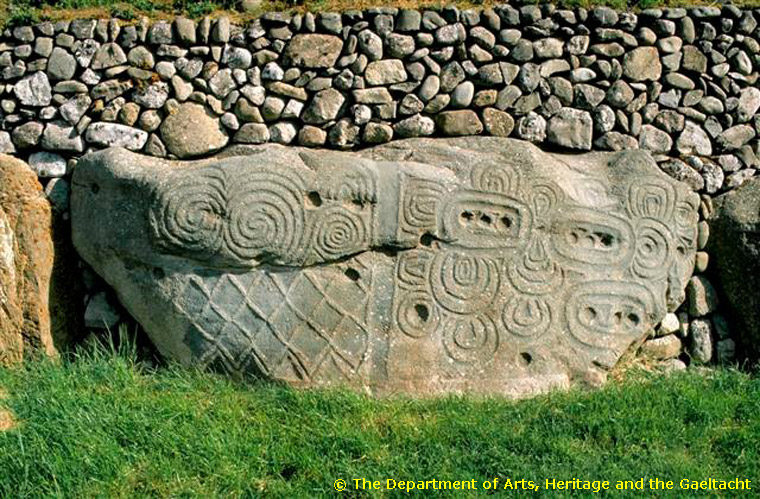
[
  {"x": 414, "y": 126},
  {"x": 462, "y": 95},
  {"x": 385, "y": 72},
  {"x": 700, "y": 340},
  {"x": 116, "y": 135},
  {"x": 192, "y": 131},
  {"x": 61, "y": 65},
  {"x": 141, "y": 57},
  {"x": 282, "y": 133},
  {"x": 324, "y": 106},
  {"x": 532, "y": 127},
  {"x": 430, "y": 87},
  {"x": 108, "y": 56},
  {"x": 454, "y": 123},
  {"x": 642, "y": 64},
  {"x": 33, "y": 90},
  {"x": 655, "y": 140},
  {"x": 693, "y": 140}
]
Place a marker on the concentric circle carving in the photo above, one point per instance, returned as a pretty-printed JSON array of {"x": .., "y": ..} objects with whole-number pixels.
[
  {"x": 527, "y": 316},
  {"x": 464, "y": 283},
  {"x": 471, "y": 339},
  {"x": 189, "y": 215},
  {"x": 339, "y": 232},
  {"x": 493, "y": 178},
  {"x": 654, "y": 249},
  {"x": 266, "y": 214},
  {"x": 416, "y": 314}
]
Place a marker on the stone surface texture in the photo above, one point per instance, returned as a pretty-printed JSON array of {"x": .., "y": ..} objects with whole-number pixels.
[
  {"x": 735, "y": 249},
  {"x": 679, "y": 82},
  {"x": 26, "y": 264},
  {"x": 425, "y": 266},
  {"x": 192, "y": 131}
]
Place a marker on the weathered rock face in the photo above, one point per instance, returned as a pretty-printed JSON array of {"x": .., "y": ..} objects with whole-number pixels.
[
  {"x": 26, "y": 263},
  {"x": 192, "y": 131},
  {"x": 735, "y": 247},
  {"x": 424, "y": 266},
  {"x": 313, "y": 51}
]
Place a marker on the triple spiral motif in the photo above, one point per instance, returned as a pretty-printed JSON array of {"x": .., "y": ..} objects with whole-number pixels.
[{"x": 213, "y": 215}]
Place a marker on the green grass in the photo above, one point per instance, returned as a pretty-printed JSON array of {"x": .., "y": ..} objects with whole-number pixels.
[
  {"x": 21, "y": 12},
  {"x": 99, "y": 425}
]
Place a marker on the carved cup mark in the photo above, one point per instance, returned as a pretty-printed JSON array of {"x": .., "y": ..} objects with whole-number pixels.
[
  {"x": 480, "y": 220},
  {"x": 588, "y": 238},
  {"x": 607, "y": 314},
  {"x": 417, "y": 315}
]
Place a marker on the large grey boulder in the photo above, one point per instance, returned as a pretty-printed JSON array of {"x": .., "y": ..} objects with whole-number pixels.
[
  {"x": 423, "y": 266},
  {"x": 192, "y": 131},
  {"x": 734, "y": 246},
  {"x": 61, "y": 65}
]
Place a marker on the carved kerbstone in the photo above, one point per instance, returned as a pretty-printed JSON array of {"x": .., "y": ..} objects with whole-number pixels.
[{"x": 423, "y": 266}]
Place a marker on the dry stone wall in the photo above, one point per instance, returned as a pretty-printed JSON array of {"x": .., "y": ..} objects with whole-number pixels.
[{"x": 680, "y": 83}]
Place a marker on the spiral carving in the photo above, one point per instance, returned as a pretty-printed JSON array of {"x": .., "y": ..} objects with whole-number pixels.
[
  {"x": 189, "y": 215},
  {"x": 266, "y": 215},
  {"x": 212, "y": 216},
  {"x": 339, "y": 232},
  {"x": 654, "y": 249},
  {"x": 464, "y": 283},
  {"x": 471, "y": 339}
]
